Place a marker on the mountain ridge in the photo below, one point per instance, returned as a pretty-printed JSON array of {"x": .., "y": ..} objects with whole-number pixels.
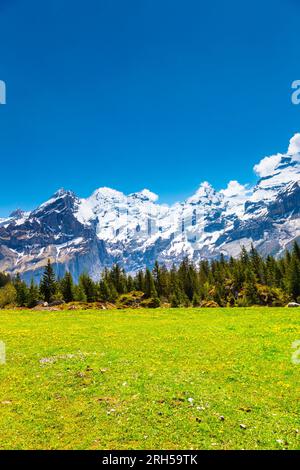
[{"x": 88, "y": 234}]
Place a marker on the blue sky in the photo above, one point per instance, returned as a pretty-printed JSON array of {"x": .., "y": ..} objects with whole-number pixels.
[{"x": 162, "y": 94}]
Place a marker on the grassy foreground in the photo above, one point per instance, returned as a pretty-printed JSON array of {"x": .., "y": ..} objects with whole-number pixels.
[{"x": 150, "y": 379}]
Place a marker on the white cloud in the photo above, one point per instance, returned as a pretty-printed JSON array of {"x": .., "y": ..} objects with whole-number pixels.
[
  {"x": 234, "y": 188},
  {"x": 294, "y": 146},
  {"x": 267, "y": 165}
]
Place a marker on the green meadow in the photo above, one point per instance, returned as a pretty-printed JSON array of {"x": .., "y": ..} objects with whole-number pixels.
[{"x": 150, "y": 379}]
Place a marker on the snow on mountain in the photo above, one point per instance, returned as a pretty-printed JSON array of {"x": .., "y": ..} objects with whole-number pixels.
[{"x": 87, "y": 234}]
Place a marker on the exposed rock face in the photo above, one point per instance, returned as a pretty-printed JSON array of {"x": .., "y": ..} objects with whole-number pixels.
[
  {"x": 51, "y": 231},
  {"x": 88, "y": 234}
]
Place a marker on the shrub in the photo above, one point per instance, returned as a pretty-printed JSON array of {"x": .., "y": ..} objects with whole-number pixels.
[
  {"x": 266, "y": 296},
  {"x": 175, "y": 301},
  {"x": 8, "y": 295},
  {"x": 152, "y": 302},
  {"x": 132, "y": 299},
  {"x": 271, "y": 296}
]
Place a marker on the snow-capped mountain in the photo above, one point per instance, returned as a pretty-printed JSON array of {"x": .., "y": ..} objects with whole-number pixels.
[{"x": 134, "y": 230}]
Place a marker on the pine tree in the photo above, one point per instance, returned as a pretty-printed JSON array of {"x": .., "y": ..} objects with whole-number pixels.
[
  {"x": 175, "y": 300},
  {"x": 256, "y": 264},
  {"x": 250, "y": 288},
  {"x": 139, "y": 281},
  {"x": 129, "y": 284},
  {"x": 157, "y": 278},
  {"x": 48, "y": 283},
  {"x": 67, "y": 287},
  {"x": 79, "y": 294},
  {"x": 113, "y": 294},
  {"x": 196, "y": 300},
  {"x": 244, "y": 257},
  {"x": 33, "y": 295},
  {"x": 88, "y": 287},
  {"x": 187, "y": 278},
  {"x": 150, "y": 291},
  {"x": 104, "y": 291},
  {"x": 21, "y": 292},
  {"x": 296, "y": 251},
  {"x": 118, "y": 278},
  {"x": 294, "y": 278}
]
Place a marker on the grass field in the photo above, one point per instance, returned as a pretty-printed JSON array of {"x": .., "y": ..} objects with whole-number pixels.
[{"x": 150, "y": 379}]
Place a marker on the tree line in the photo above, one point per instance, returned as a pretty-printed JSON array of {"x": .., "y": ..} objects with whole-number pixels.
[{"x": 248, "y": 280}]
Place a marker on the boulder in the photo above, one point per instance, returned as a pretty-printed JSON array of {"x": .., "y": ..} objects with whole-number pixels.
[{"x": 41, "y": 303}]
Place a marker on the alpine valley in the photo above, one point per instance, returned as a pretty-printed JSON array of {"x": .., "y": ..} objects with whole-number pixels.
[{"x": 86, "y": 235}]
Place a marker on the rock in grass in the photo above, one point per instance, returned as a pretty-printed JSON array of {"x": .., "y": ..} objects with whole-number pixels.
[
  {"x": 221, "y": 418},
  {"x": 243, "y": 426}
]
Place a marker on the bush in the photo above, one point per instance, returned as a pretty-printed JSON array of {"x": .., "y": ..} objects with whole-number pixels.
[
  {"x": 132, "y": 299},
  {"x": 8, "y": 295},
  {"x": 271, "y": 296},
  {"x": 266, "y": 296},
  {"x": 152, "y": 302},
  {"x": 175, "y": 301}
]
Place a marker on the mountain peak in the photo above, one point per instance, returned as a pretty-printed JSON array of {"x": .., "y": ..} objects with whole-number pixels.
[
  {"x": 107, "y": 193},
  {"x": 144, "y": 195},
  {"x": 204, "y": 193},
  {"x": 16, "y": 214},
  {"x": 63, "y": 192}
]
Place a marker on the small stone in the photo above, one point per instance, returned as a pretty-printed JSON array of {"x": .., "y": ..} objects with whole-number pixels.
[
  {"x": 191, "y": 400},
  {"x": 221, "y": 418},
  {"x": 80, "y": 374},
  {"x": 243, "y": 426}
]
